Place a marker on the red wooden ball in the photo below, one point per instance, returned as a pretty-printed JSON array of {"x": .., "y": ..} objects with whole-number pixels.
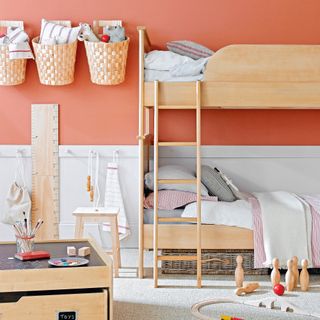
[
  {"x": 278, "y": 289},
  {"x": 105, "y": 38}
]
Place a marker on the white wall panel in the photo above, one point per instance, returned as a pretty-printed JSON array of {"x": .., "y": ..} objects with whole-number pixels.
[{"x": 261, "y": 168}]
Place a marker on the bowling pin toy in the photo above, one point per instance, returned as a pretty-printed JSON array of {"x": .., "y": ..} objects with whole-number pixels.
[
  {"x": 239, "y": 272},
  {"x": 275, "y": 274},
  {"x": 295, "y": 270},
  {"x": 304, "y": 276},
  {"x": 289, "y": 276}
]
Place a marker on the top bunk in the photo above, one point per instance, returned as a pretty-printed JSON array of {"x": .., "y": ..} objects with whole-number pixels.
[{"x": 244, "y": 77}]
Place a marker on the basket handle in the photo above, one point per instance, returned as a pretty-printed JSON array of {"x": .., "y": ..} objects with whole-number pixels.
[
  {"x": 97, "y": 24},
  {"x": 65, "y": 23},
  {"x": 7, "y": 23}
]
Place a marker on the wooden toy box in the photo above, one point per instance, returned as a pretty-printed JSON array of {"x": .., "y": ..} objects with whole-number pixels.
[{"x": 35, "y": 291}]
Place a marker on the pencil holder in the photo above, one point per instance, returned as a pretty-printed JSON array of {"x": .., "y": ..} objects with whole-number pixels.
[{"x": 25, "y": 244}]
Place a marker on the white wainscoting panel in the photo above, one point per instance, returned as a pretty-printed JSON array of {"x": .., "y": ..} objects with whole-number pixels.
[{"x": 252, "y": 168}]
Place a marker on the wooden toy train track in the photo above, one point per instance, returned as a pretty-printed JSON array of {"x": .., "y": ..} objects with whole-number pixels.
[{"x": 268, "y": 303}]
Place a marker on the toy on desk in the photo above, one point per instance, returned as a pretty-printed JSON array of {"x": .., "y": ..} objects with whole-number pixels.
[
  {"x": 71, "y": 251},
  {"x": 304, "y": 276},
  {"x": 278, "y": 289},
  {"x": 248, "y": 288},
  {"x": 275, "y": 273},
  {"x": 34, "y": 255},
  {"x": 239, "y": 272},
  {"x": 290, "y": 276},
  {"x": 295, "y": 271},
  {"x": 84, "y": 251}
]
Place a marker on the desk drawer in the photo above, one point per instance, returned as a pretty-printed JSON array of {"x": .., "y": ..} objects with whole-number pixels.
[{"x": 82, "y": 306}]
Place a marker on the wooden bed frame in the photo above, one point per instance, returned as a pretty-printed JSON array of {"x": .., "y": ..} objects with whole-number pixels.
[{"x": 236, "y": 77}]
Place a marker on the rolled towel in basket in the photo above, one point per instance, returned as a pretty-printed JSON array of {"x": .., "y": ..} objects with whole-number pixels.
[
  {"x": 17, "y": 35},
  {"x": 19, "y": 47},
  {"x": 20, "y": 50}
]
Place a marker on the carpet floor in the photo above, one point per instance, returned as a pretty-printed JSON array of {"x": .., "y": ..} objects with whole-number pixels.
[{"x": 137, "y": 299}]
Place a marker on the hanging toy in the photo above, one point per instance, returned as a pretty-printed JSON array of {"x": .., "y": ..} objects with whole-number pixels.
[{"x": 93, "y": 182}]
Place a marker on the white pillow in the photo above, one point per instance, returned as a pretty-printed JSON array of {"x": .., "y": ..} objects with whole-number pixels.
[
  {"x": 52, "y": 30},
  {"x": 163, "y": 60},
  {"x": 174, "y": 172},
  {"x": 191, "y": 68}
]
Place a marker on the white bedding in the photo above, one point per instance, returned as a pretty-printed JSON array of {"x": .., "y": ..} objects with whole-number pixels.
[
  {"x": 235, "y": 214},
  {"x": 286, "y": 221},
  {"x": 171, "y": 67}
]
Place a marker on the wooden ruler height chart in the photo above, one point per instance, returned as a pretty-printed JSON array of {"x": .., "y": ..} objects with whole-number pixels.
[{"x": 45, "y": 169}]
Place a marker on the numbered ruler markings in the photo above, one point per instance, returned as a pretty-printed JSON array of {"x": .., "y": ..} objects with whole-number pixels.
[{"x": 45, "y": 169}]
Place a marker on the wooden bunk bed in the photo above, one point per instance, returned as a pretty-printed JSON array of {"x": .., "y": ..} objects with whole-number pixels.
[{"x": 236, "y": 77}]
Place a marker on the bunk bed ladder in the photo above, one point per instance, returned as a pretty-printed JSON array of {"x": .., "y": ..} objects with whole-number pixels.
[{"x": 158, "y": 181}]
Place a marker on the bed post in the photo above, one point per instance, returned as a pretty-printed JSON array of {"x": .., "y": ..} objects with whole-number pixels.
[{"x": 141, "y": 137}]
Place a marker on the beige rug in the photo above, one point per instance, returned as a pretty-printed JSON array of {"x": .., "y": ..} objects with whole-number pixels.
[{"x": 136, "y": 299}]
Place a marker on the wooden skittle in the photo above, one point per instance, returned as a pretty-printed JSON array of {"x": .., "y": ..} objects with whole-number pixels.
[{"x": 248, "y": 288}]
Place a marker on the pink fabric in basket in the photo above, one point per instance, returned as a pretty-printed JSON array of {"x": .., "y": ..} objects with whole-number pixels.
[{"x": 173, "y": 199}]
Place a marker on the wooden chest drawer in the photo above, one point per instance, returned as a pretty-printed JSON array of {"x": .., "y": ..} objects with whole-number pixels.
[{"x": 75, "y": 306}]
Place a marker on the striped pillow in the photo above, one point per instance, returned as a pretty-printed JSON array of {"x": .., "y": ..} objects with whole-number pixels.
[
  {"x": 62, "y": 34},
  {"x": 189, "y": 49},
  {"x": 173, "y": 199}
]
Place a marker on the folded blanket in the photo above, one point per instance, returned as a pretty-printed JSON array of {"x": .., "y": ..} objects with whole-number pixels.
[
  {"x": 20, "y": 51},
  {"x": 18, "y": 44},
  {"x": 308, "y": 231},
  {"x": 285, "y": 227}
]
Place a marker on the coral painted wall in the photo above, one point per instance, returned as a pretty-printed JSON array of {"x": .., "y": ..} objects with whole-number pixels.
[{"x": 93, "y": 114}]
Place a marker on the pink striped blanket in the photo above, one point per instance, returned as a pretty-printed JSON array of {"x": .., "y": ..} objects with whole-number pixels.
[{"x": 259, "y": 252}]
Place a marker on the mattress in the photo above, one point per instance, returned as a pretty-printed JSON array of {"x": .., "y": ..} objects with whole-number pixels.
[
  {"x": 148, "y": 215},
  {"x": 233, "y": 214},
  {"x": 166, "y": 76}
]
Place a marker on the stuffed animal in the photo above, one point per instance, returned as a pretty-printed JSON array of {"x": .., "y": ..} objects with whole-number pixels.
[
  {"x": 86, "y": 33},
  {"x": 116, "y": 33}
]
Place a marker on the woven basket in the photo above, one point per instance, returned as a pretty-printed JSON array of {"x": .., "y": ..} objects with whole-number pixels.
[
  {"x": 12, "y": 72},
  {"x": 107, "y": 61},
  {"x": 226, "y": 267},
  {"x": 55, "y": 63}
]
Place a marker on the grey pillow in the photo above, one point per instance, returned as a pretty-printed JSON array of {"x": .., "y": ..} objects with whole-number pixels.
[{"x": 215, "y": 184}]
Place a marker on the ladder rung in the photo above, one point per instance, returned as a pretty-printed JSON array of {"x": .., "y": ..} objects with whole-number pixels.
[
  {"x": 177, "y": 219},
  {"x": 177, "y": 144},
  {"x": 177, "y": 181},
  {"x": 177, "y": 258},
  {"x": 167, "y": 107}
]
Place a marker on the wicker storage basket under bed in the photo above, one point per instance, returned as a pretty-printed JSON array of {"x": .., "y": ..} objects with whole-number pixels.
[
  {"x": 227, "y": 267},
  {"x": 12, "y": 72},
  {"x": 55, "y": 63},
  {"x": 107, "y": 61}
]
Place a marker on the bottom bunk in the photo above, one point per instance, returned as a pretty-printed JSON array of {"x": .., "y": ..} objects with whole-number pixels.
[{"x": 182, "y": 236}]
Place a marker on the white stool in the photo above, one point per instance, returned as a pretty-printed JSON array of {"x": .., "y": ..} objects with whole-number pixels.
[{"x": 101, "y": 215}]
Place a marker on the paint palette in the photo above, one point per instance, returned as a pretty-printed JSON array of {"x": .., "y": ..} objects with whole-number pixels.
[{"x": 68, "y": 262}]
